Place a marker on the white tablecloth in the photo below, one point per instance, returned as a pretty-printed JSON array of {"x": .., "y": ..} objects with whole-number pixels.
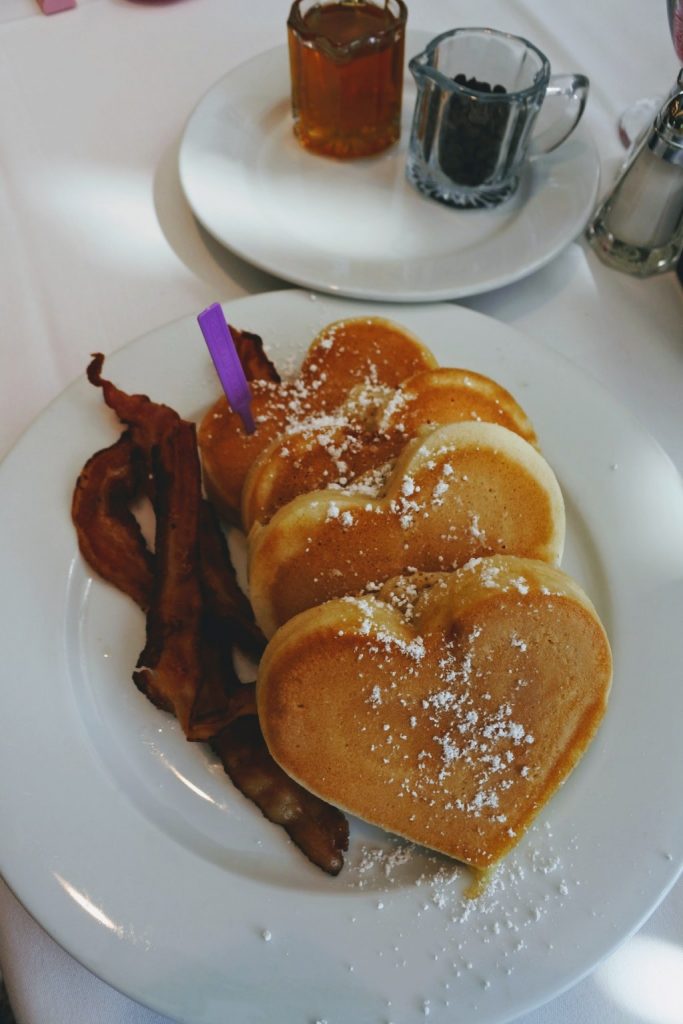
[{"x": 97, "y": 246}]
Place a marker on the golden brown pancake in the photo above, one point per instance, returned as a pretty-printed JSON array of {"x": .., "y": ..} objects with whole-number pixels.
[
  {"x": 367, "y": 350},
  {"x": 368, "y": 431},
  {"x": 464, "y": 490},
  {"x": 449, "y": 719}
]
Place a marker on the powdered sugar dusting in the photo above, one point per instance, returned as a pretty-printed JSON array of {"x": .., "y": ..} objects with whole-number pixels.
[
  {"x": 465, "y": 729},
  {"x": 485, "y": 933}
]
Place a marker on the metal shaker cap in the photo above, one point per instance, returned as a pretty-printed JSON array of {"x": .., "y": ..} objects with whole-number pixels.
[{"x": 666, "y": 138}]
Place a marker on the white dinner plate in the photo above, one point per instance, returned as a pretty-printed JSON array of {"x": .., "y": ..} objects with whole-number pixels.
[
  {"x": 132, "y": 848},
  {"x": 357, "y": 228}
]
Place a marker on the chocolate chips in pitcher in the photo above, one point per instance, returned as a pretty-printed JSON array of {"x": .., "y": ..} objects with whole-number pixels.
[{"x": 470, "y": 146}]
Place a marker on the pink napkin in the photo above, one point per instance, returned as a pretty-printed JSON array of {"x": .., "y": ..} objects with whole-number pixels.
[{"x": 55, "y": 6}]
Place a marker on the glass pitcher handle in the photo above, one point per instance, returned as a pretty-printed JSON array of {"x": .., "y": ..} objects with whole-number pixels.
[{"x": 563, "y": 106}]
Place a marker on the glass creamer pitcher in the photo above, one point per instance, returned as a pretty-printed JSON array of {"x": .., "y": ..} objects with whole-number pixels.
[{"x": 479, "y": 92}]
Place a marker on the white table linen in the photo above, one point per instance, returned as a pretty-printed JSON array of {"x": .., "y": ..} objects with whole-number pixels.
[{"x": 98, "y": 246}]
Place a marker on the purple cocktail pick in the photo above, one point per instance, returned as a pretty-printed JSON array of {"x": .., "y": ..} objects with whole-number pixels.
[{"x": 227, "y": 362}]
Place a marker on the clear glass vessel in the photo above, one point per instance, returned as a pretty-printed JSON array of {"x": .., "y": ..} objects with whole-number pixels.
[
  {"x": 346, "y": 61},
  {"x": 479, "y": 92}
]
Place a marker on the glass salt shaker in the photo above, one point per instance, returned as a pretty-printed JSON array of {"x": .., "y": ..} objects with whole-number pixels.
[{"x": 638, "y": 227}]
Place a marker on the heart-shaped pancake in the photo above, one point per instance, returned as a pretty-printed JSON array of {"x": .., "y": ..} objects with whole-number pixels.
[
  {"x": 368, "y": 431},
  {"x": 344, "y": 355},
  {"x": 449, "y": 720},
  {"x": 463, "y": 491}
]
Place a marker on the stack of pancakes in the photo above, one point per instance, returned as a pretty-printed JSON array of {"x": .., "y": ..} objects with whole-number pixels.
[{"x": 430, "y": 669}]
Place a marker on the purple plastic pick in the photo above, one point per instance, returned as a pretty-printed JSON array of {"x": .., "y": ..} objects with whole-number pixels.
[{"x": 227, "y": 362}]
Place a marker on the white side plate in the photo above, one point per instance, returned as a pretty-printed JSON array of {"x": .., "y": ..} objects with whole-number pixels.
[{"x": 357, "y": 228}]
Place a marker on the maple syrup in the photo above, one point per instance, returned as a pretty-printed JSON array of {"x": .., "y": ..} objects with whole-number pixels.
[{"x": 346, "y": 62}]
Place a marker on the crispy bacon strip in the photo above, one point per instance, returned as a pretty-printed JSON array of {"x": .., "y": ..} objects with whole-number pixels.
[
  {"x": 255, "y": 362},
  {"x": 109, "y": 536},
  {"x": 319, "y": 830},
  {"x": 224, "y": 597},
  {"x": 221, "y": 697},
  {"x": 148, "y": 421},
  {"x": 228, "y": 620},
  {"x": 195, "y": 609},
  {"x": 186, "y": 666},
  {"x": 169, "y": 667}
]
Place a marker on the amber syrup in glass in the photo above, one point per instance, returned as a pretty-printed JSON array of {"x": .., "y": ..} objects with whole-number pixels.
[{"x": 346, "y": 62}]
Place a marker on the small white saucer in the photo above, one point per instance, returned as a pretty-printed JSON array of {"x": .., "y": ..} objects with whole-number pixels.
[{"x": 358, "y": 228}]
